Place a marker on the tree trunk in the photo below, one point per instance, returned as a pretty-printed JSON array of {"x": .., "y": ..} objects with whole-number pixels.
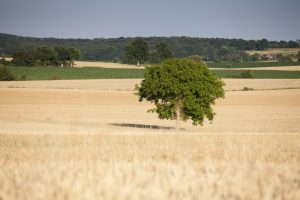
[{"x": 177, "y": 117}]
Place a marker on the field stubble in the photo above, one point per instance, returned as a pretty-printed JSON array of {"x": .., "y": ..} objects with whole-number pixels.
[{"x": 58, "y": 144}]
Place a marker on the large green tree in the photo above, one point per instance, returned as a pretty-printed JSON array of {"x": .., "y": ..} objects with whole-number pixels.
[
  {"x": 181, "y": 89},
  {"x": 137, "y": 52}
]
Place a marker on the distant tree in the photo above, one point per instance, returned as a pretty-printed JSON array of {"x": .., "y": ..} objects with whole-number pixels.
[
  {"x": 262, "y": 44},
  {"x": 108, "y": 49},
  {"x": 46, "y": 56},
  {"x": 292, "y": 44},
  {"x": 4, "y": 62},
  {"x": 282, "y": 58},
  {"x": 137, "y": 52},
  {"x": 298, "y": 56},
  {"x": 24, "y": 58},
  {"x": 255, "y": 57},
  {"x": 212, "y": 54},
  {"x": 161, "y": 53},
  {"x": 195, "y": 58},
  {"x": 181, "y": 89},
  {"x": 154, "y": 57},
  {"x": 115, "y": 60},
  {"x": 5, "y": 74},
  {"x": 66, "y": 56}
]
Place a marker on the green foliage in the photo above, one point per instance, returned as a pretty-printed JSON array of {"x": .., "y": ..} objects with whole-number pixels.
[
  {"x": 247, "y": 89},
  {"x": 24, "y": 58},
  {"x": 260, "y": 74},
  {"x": 251, "y": 64},
  {"x": 55, "y": 77},
  {"x": 46, "y": 73},
  {"x": 262, "y": 44},
  {"x": 195, "y": 58},
  {"x": 137, "y": 52},
  {"x": 66, "y": 56},
  {"x": 69, "y": 73},
  {"x": 115, "y": 60},
  {"x": 298, "y": 56},
  {"x": 181, "y": 89},
  {"x": 5, "y": 74},
  {"x": 46, "y": 56},
  {"x": 284, "y": 59},
  {"x": 242, "y": 74},
  {"x": 161, "y": 53},
  {"x": 4, "y": 62},
  {"x": 108, "y": 49}
]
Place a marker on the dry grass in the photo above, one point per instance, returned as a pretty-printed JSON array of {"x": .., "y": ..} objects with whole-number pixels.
[
  {"x": 59, "y": 144},
  {"x": 157, "y": 166},
  {"x": 105, "y": 65},
  {"x": 128, "y": 84},
  {"x": 283, "y": 51}
]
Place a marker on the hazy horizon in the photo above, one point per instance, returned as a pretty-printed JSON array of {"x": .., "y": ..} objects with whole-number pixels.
[{"x": 239, "y": 19}]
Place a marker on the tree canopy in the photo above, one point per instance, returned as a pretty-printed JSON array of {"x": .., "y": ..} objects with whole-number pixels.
[
  {"x": 181, "y": 89},
  {"x": 46, "y": 56},
  {"x": 161, "y": 53},
  {"x": 137, "y": 52},
  {"x": 108, "y": 49}
]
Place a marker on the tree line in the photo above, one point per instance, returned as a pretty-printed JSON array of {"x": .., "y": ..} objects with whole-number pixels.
[
  {"x": 46, "y": 56},
  {"x": 212, "y": 49},
  {"x": 139, "y": 51}
]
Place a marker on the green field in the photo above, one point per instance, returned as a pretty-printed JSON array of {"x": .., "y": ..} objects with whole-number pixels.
[
  {"x": 55, "y": 73},
  {"x": 261, "y": 74},
  {"x": 51, "y": 73},
  {"x": 251, "y": 64}
]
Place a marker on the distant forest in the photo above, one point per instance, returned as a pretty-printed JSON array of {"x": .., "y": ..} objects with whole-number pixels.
[{"x": 114, "y": 48}]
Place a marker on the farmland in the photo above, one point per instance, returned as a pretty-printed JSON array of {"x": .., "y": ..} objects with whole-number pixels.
[
  {"x": 56, "y": 73},
  {"x": 79, "y": 139},
  {"x": 272, "y": 51}
]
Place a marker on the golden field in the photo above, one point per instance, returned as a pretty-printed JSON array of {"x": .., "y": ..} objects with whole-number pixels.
[
  {"x": 105, "y": 65},
  {"x": 79, "y": 140},
  {"x": 271, "y": 51}
]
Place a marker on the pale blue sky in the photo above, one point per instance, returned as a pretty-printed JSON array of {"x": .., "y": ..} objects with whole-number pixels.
[{"x": 247, "y": 19}]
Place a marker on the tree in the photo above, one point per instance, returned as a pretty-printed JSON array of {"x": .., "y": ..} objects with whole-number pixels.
[
  {"x": 24, "y": 58},
  {"x": 66, "y": 56},
  {"x": 137, "y": 52},
  {"x": 262, "y": 44},
  {"x": 282, "y": 58},
  {"x": 196, "y": 58},
  {"x": 46, "y": 56},
  {"x": 5, "y": 74},
  {"x": 181, "y": 89},
  {"x": 161, "y": 53}
]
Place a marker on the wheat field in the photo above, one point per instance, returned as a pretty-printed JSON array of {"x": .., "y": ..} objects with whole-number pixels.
[{"x": 71, "y": 144}]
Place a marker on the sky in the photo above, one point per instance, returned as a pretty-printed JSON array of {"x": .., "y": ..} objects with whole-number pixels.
[{"x": 246, "y": 19}]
